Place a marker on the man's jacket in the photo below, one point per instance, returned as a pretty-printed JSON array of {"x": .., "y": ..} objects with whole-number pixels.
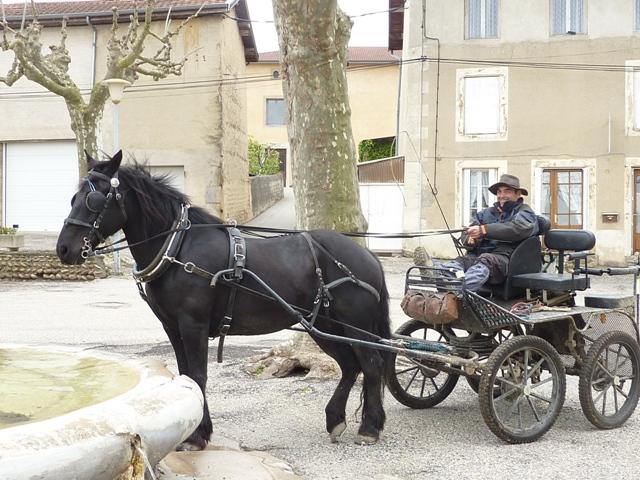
[{"x": 511, "y": 224}]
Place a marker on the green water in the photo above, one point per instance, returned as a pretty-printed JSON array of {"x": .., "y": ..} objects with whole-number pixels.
[{"x": 36, "y": 385}]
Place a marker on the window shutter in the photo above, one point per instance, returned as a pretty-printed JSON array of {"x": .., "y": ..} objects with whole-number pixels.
[
  {"x": 559, "y": 17},
  {"x": 491, "y": 25},
  {"x": 481, "y": 105},
  {"x": 474, "y": 18}
]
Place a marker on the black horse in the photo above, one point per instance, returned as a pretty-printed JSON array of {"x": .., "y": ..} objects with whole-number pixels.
[{"x": 191, "y": 311}]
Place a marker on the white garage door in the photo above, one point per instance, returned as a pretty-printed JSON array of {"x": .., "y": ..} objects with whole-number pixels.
[{"x": 40, "y": 179}]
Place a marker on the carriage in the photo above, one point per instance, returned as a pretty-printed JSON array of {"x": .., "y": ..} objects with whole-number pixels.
[
  {"x": 516, "y": 354},
  {"x": 203, "y": 280}
]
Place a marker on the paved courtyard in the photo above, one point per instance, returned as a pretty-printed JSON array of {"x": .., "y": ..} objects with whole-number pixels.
[{"x": 285, "y": 417}]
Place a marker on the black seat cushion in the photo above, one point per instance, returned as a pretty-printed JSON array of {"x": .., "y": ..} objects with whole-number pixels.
[{"x": 555, "y": 282}]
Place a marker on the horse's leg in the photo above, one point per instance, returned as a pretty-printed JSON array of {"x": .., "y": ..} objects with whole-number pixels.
[
  {"x": 178, "y": 349},
  {"x": 195, "y": 344},
  {"x": 373, "y": 416},
  {"x": 350, "y": 367}
]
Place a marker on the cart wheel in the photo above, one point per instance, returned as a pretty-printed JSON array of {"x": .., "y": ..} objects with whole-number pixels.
[
  {"x": 501, "y": 336},
  {"x": 414, "y": 382},
  {"x": 532, "y": 381},
  {"x": 609, "y": 387}
]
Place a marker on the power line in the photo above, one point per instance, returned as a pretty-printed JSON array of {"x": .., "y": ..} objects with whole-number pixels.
[
  {"x": 257, "y": 79},
  {"x": 366, "y": 14}
]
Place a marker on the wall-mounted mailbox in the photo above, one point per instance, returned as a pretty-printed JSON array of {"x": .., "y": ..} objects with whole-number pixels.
[{"x": 610, "y": 217}]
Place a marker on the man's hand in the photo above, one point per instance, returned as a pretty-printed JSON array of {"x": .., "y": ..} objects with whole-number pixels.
[{"x": 474, "y": 232}]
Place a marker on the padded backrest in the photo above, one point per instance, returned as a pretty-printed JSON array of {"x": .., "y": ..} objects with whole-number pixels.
[
  {"x": 574, "y": 240},
  {"x": 526, "y": 258}
]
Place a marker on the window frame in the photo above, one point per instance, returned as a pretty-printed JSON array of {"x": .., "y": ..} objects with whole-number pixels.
[
  {"x": 567, "y": 20},
  {"x": 503, "y": 92},
  {"x": 483, "y": 23},
  {"x": 553, "y": 189},
  {"x": 266, "y": 112},
  {"x": 632, "y": 98},
  {"x": 466, "y": 189}
]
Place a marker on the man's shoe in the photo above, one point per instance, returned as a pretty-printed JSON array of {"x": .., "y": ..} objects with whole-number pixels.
[{"x": 422, "y": 258}]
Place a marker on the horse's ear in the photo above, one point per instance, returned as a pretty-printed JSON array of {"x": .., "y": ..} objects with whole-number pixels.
[
  {"x": 115, "y": 161},
  {"x": 91, "y": 162}
]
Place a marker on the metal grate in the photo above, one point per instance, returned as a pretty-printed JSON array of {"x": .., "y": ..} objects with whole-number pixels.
[{"x": 488, "y": 313}]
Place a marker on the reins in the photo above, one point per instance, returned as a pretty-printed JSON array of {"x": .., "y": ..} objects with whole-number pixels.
[{"x": 249, "y": 229}]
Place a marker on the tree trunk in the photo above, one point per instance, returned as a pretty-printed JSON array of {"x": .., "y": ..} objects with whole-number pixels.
[
  {"x": 313, "y": 37},
  {"x": 84, "y": 123}
]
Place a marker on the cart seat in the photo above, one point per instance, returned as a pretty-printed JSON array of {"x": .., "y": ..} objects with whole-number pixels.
[
  {"x": 563, "y": 241},
  {"x": 554, "y": 282}
]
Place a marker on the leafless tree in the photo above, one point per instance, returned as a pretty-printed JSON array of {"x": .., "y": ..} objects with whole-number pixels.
[{"x": 126, "y": 60}]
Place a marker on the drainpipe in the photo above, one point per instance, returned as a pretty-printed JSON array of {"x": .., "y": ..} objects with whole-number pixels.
[
  {"x": 93, "y": 51},
  {"x": 397, "y": 140}
]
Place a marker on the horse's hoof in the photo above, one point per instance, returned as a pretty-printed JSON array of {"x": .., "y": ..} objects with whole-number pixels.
[
  {"x": 337, "y": 431},
  {"x": 365, "y": 439},
  {"x": 190, "y": 447}
]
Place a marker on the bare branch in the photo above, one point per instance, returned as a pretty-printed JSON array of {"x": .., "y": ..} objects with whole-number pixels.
[
  {"x": 167, "y": 22},
  {"x": 14, "y": 74},
  {"x": 24, "y": 15}
]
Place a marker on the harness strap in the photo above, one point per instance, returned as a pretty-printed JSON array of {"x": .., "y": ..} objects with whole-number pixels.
[
  {"x": 237, "y": 259},
  {"x": 323, "y": 294},
  {"x": 169, "y": 250},
  {"x": 350, "y": 276}
]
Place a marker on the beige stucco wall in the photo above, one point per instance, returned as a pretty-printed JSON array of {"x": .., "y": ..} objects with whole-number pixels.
[
  {"x": 556, "y": 117},
  {"x": 373, "y": 91},
  {"x": 188, "y": 121}
]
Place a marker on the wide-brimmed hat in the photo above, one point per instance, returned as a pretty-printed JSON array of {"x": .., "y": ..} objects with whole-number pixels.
[{"x": 510, "y": 181}]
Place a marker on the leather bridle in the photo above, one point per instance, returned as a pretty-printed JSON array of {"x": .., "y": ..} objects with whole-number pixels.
[{"x": 98, "y": 203}]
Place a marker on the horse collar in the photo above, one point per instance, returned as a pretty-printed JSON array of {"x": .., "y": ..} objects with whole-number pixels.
[{"x": 167, "y": 253}]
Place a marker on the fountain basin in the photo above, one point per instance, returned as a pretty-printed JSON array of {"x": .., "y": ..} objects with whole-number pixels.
[{"x": 76, "y": 414}]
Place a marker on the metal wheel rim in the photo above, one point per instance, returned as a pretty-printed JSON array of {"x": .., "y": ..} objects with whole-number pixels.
[
  {"x": 613, "y": 381},
  {"x": 416, "y": 379},
  {"x": 529, "y": 401}
]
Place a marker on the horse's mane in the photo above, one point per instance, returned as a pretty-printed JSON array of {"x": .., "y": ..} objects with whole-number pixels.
[{"x": 159, "y": 201}]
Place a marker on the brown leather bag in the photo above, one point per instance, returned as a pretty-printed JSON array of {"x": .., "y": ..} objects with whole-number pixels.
[{"x": 431, "y": 307}]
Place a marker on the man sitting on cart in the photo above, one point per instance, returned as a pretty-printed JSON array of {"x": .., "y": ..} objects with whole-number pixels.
[{"x": 492, "y": 236}]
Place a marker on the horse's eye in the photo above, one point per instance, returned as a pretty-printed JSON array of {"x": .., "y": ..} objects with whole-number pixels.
[{"x": 73, "y": 199}]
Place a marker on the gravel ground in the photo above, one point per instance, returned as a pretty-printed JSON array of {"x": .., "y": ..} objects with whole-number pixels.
[{"x": 285, "y": 417}]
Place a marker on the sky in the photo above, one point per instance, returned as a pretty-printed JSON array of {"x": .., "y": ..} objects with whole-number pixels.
[{"x": 367, "y": 31}]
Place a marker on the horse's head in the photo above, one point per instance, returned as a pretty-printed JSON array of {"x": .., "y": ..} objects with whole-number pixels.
[{"x": 97, "y": 211}]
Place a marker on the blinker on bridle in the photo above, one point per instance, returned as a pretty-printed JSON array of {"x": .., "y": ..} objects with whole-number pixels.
[{"x": 98, "y": 203}]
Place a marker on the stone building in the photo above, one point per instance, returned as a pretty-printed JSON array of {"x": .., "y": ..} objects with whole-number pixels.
[{"x": 192, "y": 127}]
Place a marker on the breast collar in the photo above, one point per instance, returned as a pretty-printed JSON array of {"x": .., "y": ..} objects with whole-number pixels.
[{"x": 169, "y": 250}]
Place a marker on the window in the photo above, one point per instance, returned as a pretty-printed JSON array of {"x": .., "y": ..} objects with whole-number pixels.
[
  {"x": 174, "y": 175},
  {"x": 482, "y": 19},
  {"x": 637, "y": 16},
  {"x": 476, "y": 195},
  {"x": 276, "y": 112},
  {"x": 482, "y": 104},
  {"x": 567, "y": 17},
  {"x": 562, "y": 197}
]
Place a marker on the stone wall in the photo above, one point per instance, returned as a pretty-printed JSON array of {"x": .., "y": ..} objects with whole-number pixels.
[
  {"x": 46, "y": 266},
  {"x": 265, "y": 191}
]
